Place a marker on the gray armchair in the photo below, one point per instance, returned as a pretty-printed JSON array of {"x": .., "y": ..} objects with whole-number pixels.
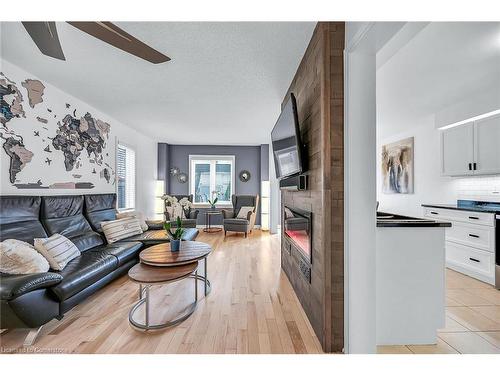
[
  {"x": 234, "y": 224},
  {"x": 191, "y": 215}
]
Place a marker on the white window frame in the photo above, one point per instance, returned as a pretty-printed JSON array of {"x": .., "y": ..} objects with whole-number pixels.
[
  {"x": 134, "y": 200},
  {"x": 213, "y": 159}
]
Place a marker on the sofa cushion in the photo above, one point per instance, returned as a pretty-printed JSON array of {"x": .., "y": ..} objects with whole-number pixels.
[
  {"x": 123, "y": 251},
  {"x": 20, "y": 218},
  {"x": 153, "y": 237},
  {"x": 98, "y": 208},
  {"x": 64, "y": 215},
  {"x": 236, "y": 221},
  {"x": 82, "y": 272}
]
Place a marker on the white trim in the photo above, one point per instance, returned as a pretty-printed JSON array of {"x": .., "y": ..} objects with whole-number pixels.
[{"x": 213, "y": 159}]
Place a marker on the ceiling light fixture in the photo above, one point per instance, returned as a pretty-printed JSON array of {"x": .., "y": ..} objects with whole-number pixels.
[{"x": 475, "y": 118}]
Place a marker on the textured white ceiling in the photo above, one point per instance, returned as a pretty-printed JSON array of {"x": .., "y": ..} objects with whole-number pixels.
[
  {"x": 224, "y": 85},
  {"x": 441, "y": 65}
]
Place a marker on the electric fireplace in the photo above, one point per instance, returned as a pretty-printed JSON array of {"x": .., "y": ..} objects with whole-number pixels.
[{"x": 297, "y": 225}]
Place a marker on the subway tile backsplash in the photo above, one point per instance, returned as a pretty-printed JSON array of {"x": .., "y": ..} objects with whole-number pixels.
[{"x": 479, "y": 188}]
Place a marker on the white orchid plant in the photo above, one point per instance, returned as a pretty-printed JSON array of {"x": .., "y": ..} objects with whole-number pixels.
[{"x": 173, "y": 201}]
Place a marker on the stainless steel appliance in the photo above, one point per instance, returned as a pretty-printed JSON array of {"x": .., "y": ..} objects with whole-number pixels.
[{"x": 497, "y": 252}]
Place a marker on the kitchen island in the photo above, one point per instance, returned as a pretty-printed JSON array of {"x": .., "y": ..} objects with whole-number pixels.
[{"x": 410, "y": 279}]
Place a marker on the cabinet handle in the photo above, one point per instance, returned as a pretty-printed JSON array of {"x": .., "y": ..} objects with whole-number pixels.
[
  {"x": 475, "y": 260},
  {"x": 473, "y": 217},
  {"x": 473, "y": 235},
  {"x": 475, "y": 166},
  {"x": 470, "y": 166},
  {"x": 434, "y": 213}
]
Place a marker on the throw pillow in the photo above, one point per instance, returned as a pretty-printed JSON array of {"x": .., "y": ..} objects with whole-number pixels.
[
  {"x": 18, "y": 257},
  {"x": 136, "y": 214},
  {"x": 243, "y": 212},
  {"x": 57, "y": 249},
  {"x": 116, "y": 230}
]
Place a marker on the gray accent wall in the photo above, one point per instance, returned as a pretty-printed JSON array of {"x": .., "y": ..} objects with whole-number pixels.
[{"x": 246, "y": 157}]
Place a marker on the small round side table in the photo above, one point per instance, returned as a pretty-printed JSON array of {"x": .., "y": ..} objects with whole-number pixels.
[{"x": 208, "y": 228}]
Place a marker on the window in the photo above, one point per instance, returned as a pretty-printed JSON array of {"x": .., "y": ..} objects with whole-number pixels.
[
  {"x": 125, "y": 172},
  {"x": 211, "y": 175}
]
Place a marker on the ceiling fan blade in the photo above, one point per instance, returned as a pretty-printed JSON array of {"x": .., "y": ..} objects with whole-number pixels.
[
  {"x": 44, "y": 34},
  {"x": 112, "y": 34}
]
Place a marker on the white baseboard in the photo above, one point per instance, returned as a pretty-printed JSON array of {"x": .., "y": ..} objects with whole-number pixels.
[{"x": 202, "y": 226}]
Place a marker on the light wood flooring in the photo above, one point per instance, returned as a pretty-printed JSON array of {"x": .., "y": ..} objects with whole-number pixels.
[
  {"x": 252, "y": 309},
  {"x": 472, "y": 320}
]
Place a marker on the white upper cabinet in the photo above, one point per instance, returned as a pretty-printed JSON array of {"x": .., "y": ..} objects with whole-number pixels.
[
  {"x": 487, "y": 145},
  {"x": 457, "y": 150},
  {"x": 472, "y": 149}
]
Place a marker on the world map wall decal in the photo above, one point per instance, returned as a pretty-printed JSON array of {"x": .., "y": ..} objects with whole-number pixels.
[{"x": 64, "y": 150}]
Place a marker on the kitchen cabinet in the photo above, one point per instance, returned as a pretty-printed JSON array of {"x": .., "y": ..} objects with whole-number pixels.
[
  {"x": 487, "y": 145},
  {"x": 470, "y": 242},
  {"x": 472, "y": 148},
  {"x": 458, "y": 150}
]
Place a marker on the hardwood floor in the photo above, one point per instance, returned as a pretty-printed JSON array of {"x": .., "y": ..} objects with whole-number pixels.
[
  {"x": 252, "y": 309},
  {"x": 472, "y": 320}
]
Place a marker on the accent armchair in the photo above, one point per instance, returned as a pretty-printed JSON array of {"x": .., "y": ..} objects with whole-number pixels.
[
  {"x": 191, "y": 215},
  {"x": 232, "y": 223}
]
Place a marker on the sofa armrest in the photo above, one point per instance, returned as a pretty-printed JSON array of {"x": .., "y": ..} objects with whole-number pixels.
[
  {"x": 13, "y": 286},
  {"x": 227, "y": 214},
  {"x": 154, "y": 224}
]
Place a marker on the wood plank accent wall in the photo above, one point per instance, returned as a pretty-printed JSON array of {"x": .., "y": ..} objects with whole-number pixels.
[{"x": 318, "y": 87}]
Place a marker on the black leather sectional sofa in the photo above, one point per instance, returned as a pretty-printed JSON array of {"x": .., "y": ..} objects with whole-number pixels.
[{"x": 29, "y": 301}]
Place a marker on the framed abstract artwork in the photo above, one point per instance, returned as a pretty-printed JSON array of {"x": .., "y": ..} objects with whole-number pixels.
[{"x": 397, "y": 167}]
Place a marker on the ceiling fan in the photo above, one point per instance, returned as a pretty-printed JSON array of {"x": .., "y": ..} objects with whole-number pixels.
[{"x": 44, "y": 34}]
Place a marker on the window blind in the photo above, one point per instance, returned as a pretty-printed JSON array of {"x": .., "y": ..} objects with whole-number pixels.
[{"x": 125, "y": 169}]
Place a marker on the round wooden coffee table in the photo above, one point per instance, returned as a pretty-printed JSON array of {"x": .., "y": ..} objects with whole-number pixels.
[
  {"x": 191, "y": 251},
  {"x": 147, "y": 276}
]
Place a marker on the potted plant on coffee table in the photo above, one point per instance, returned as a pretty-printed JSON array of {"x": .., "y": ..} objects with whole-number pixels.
[{"x": 176, "y": 236}]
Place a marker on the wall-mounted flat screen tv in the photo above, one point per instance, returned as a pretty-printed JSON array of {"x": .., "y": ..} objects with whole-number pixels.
[{"x": 286, "y": 142}]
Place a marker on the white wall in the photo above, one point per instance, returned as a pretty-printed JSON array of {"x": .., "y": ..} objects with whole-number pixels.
[{"x": 146, "y": 155}]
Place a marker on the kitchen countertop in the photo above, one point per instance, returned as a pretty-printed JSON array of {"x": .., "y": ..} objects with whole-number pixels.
[
  {"x": 385, "y": 220},
  {"x": 465, "y": 207}
]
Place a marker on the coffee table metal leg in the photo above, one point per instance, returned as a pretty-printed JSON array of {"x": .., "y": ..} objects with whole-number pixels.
[
  {"x": 146, "y": 318},
  {"x": 206, "y": 275},
  {"x": 196, "y": 285}
]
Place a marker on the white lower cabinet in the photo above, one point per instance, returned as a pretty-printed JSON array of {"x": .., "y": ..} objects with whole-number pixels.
[
  {"x": 477, "y": 263},
  {"x": 470, "y": 242}
]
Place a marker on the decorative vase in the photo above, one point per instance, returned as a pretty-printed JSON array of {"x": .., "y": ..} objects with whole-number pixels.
[
  {"x": 212, "y": 207},
  {"x": 175, "y": 245}
]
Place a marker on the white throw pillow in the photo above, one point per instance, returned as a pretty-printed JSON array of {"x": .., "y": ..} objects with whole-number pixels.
[
  {"x": 243, "y": 212},
  {"x": 138, "y": 215},
  {"x": 57, "y": 249},
  {"x": 116, "y": 230},
  {"x": 18, "y": 257}
]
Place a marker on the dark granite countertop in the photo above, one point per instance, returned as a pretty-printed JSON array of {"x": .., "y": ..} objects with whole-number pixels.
[
  {"x": 464, "y": 207},
  {"x": 385, "y": 219}
]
